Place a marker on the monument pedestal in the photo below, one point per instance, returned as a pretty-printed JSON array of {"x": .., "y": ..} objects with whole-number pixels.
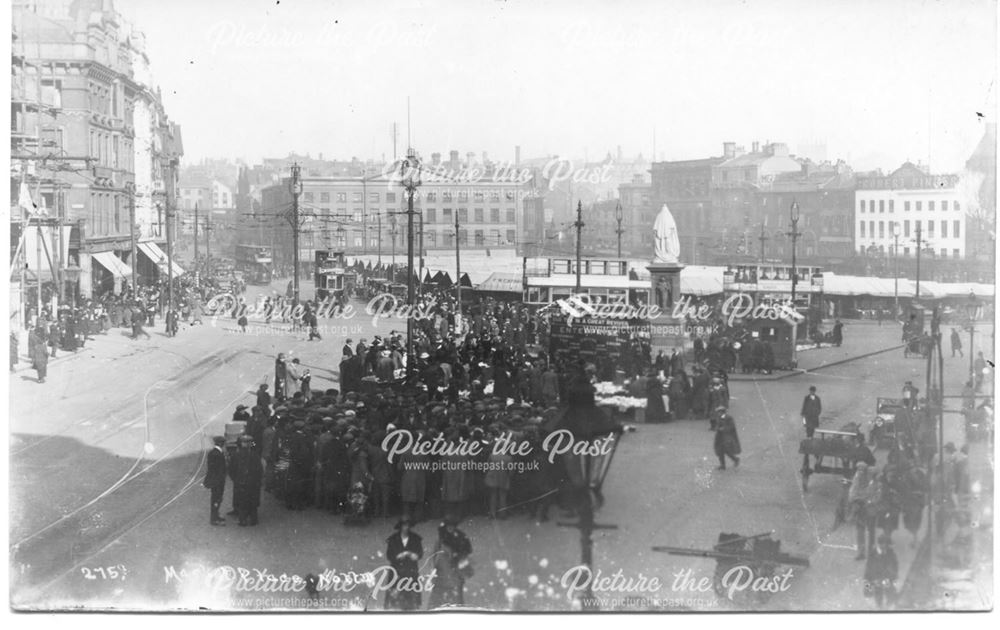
[{"x": 666, "y": 332}]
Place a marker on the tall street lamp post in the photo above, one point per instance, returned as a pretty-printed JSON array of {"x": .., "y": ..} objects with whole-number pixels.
[{"x": 973, "y": 308}]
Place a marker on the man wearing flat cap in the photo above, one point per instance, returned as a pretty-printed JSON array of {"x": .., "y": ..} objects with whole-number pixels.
[{"x": 215, "y": 478}]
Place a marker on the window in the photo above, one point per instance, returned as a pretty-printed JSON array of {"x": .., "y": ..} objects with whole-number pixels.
[
  {"x": 956, "y": 206},
  {"x": 463, "y": 237},
  {"x": 341, "y": 197},
  {"x": 479, "y": 196},
  {"x": 871, "y": 229},
  {"x": 861, "y": 206},
  {"x": 373, "y": 197},
  {"x": 881, "y": 229},
  {"x": 480, "y": 240},
  {"x": 358, "y": 197},
  {"x": 560, "y": 266},
  {"x": 881, "y": 205},
  {"x": 862, "y": 224},
  {"x": 359, "y": 216},
  {"x": 430, "y": 239},
  {"x": 494, "y": 195},
  {"x": 307, "y": 197},
  {"x": 324, "y": 197},
  {"x": 431, "y": 215},
  {"x": 463, "y": 195},
  {"x": 919, "y": 204},
  {"x": 511, "y": 218},
  {"x": 944, "y": 253},
  {"x": 954, "y": 253},
  {"x": 448, "y": 239},
  {"x": 906, "y": 206},
  {"x": 463, "y": 215},
  {"x": 494, "y": 215},
  {"x": 478, "y": 215},
  {"x": 891, "y": 204},
  {"x": 390, "y": 197},
  {"x": 906, "y": 251},
  {"x": 118, "y": 215},
  {"x": 446, "y": 215},
  {"x": 956, "y": 229},
  {"x": 944, "y": 206},
  {"x": 431, "y": 196},
  {"x": 930, "y": 229},
  {"x": 446, "y": 195},
  {"x": 930, "y": 206},
  {"x": 511, "y": 237},
  {"x": 944, "y": 229}
]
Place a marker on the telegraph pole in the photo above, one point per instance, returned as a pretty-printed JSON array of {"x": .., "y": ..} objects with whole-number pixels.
[
  {"x": 410, "y": 181},
  {"x": 579, "y": 240},
  {"x": 130, "y": 189},
  {"x": 458, "y": 268},
  {"x": 296, "y": 190},
  {"x": 919, "y": 247},
  {"x": 170, "y": 239},
  {"x": 379, "y": 219},
  {"x": 208, "y": 246},
  {"x": 794, "y": 234},
  {"x": 196, "y": 234},
  {"x": 762, "y": 239}
]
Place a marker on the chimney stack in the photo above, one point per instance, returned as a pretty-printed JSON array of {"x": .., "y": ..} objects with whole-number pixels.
[
  {"x": 453, "y": 159},
  {"x": 435, "y": 159},
  {"x": 729, "y": 150},
  {"x": 756, "y": 146}
]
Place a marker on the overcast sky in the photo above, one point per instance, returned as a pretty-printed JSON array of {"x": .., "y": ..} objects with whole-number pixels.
[{"x": 878, "y": 82}]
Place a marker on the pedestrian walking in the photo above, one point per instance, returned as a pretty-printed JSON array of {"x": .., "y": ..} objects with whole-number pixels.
[
  {"x": 727, "y": 440},
  {"x": 956, "y": 343},
  {"x": 881, "y": 572},
  {"x": 280, "y": 374},
  {"x": 39, "y": 353},
  {"x": 215, "y": 479},
  {"x": 812, "y": 407},
  {"x": 838, "y": 333}
]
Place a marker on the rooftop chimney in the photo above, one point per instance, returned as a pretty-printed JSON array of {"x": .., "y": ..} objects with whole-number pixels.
[
  {"x": 729, "y": 150},
  {"x": 453, "y": 159},
  {"x": 756, "y": 146}
]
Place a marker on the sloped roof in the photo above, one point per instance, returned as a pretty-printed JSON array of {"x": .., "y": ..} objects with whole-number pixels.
[{"x": 501, "y": 281}]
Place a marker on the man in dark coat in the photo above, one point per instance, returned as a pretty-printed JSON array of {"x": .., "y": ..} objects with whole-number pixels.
[
  {"x": 838, "y": 333},
  {"x": 247, "y": 474},
  {"x": 727, "y": 440},
  {"x": 280, "y": 372},
  {"x": 348, "y": 351},
  {"x": 812, "y": 407},
  {"x": 263, "y": 397},
  {"x": 39, "y": 353},
  {"x": 301, "y": 467},
  {"x": 215, "y": 478},
  {"x": 404, "y": 550}
]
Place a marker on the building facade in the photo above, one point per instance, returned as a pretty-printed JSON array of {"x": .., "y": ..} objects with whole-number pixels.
[{"x": 90, "y": 137}]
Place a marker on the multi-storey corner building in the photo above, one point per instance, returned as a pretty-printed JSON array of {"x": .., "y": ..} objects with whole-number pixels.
[{"x": 89, "y": 137}]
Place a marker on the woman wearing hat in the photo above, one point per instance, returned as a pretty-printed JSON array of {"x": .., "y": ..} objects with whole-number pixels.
[
  {"x": 451, "y": 565},
  {"x": 404, "y": 549}
]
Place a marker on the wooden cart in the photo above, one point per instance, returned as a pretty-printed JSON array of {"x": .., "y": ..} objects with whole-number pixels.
[
  {"x": 760, "y": 555},
  {"x": 833, "y": 452}
]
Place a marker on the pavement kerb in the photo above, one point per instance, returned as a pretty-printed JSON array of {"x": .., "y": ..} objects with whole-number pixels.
[{"x": 823, "y": 366}]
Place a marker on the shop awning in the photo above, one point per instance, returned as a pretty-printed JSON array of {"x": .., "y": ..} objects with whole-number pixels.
[
  {"x": 153, "y": 252},
  {"x": 113, "y": 264}
]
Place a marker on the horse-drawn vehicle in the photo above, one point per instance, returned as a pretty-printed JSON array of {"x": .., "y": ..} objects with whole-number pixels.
[
  {"x": 746, "y": 567},
  {"x": 883, "y": 433}
]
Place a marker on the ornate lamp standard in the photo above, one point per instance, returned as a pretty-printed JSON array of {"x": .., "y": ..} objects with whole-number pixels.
[
  {"x": 619, "y": 215},
  {"x": 595, "y": 438}
]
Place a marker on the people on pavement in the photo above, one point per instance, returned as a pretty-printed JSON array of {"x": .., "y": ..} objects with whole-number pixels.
[{"x": 215, "y": 479}]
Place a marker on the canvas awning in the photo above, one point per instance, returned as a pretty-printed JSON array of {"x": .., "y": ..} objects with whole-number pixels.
[
  {"x": 113, "y": 264},
  {"x": 153, "y": 252},
  {"x": 502, "y": 282}
]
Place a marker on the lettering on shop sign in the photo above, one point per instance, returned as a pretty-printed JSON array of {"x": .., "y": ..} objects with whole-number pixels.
[{"x": 559, "y": 442}]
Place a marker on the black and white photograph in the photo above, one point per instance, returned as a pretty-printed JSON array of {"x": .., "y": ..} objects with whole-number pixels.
[{"x": 502, "y": 306}]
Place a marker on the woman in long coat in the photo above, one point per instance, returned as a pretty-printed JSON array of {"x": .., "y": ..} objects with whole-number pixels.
[
  {"x": 727, "y": 440},
  {"x": 404, "y": 550},
  {"x": 39, "y": 353},
  {"x": 656, "y": 411}
]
